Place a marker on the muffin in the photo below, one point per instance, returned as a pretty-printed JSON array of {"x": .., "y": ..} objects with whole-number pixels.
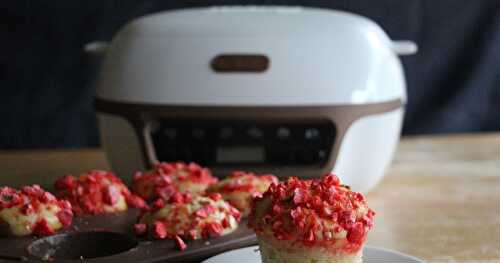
[
  {"x": 32, "y": 211},
  {"x": 168, "y": 178},
  {"x": 185, "y": 216},
  {"x": 96, "y": 192},
  {"x": 239, "y": 188},
  {"x": 318, "y": 221}
]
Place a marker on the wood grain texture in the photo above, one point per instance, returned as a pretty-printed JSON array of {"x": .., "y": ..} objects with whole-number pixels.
[
  {"x": 440, "y": 200},
  {"x": 477, "y": 155},
  {"x": 43, "y": 166}
]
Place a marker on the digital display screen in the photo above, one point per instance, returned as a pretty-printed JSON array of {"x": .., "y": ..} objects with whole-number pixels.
[
  {"x": 240, "y": 154},
  {"x": 244, "y": 143}
]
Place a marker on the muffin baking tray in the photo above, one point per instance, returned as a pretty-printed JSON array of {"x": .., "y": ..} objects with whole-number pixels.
[{"x": 109, "y": 238}]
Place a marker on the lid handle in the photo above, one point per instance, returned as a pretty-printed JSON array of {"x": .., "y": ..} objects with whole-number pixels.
[{"x": 404, "y": 47}]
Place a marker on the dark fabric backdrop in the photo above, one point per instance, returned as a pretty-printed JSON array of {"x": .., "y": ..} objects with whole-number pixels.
[{"x": 453, "y": 82}]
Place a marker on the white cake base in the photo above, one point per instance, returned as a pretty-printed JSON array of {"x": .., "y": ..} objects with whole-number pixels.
[{"x": 271, "y": 254}]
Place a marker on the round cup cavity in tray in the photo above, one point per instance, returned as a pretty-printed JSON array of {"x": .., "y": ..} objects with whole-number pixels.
[{"x": 81, "y": 245}]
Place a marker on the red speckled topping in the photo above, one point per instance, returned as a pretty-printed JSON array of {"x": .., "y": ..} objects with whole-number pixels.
[
  {"x": 168, "y": 178},
  {"x": 239, "y": 188},
  {"x": 245, "y": 182},
  {"x": 30, "y": 201},
  {"x": 313, "y": 213},
  {"x": 96, "y": 192},
  {"x": 189, "y": 217}
]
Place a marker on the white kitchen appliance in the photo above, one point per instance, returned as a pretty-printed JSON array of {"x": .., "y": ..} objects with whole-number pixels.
[{"x": 286, "y": 90}]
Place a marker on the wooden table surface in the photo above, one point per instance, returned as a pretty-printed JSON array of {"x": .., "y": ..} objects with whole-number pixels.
[{"x": 440, "y": 200}]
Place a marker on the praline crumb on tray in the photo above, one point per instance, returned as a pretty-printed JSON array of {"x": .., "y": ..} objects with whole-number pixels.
[
  {"x": 33, "y": 210},
  {"x": 167, "y": 178},
  {"x": 190, "y": 217},
  {"x": 239, "y": 188},
  {"x": 311, "y": 221},
  {"x": 97, "y": 192}
]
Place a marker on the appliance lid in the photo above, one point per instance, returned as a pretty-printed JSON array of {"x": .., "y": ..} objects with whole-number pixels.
[
  {"x": 247, "y": 21},
  {"x": 311, "y": 57}
]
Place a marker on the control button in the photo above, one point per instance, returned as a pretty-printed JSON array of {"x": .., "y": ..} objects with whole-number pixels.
[
  {"x": 322, "y": 154},
  {"x": 311, "y": 133},
  {"x": 170, "y": 133},
  {"x": 225, "y": 133},
  {"x": 255, "y": 133},
  {"x": 198, "y": 134},
  {"x": 283, "y": 133}
]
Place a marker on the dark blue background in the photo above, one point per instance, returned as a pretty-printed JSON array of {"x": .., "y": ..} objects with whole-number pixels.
[{"x": 453, "y": 82}]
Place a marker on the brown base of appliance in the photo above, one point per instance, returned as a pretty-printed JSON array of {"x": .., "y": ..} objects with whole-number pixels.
[{"x": 146, "y": 118}]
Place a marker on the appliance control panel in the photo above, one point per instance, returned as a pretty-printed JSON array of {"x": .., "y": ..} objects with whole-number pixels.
[{"x": 234, "y": 142}]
